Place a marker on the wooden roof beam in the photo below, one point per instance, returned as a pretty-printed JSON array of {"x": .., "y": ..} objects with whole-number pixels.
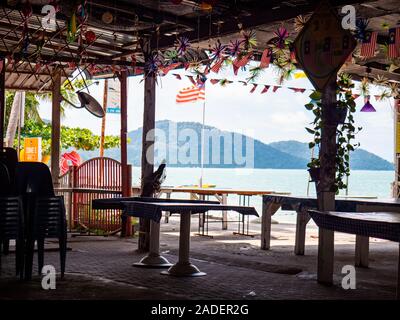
[
  {"x": 143, "y": 11},
  {"x": 262, "y": 14}
]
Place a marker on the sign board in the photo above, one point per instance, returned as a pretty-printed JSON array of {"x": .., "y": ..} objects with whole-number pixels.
[
  {"x": 323, "y": 46},
  {"x": 114, "y": 96},
  {"x": 33, "y": 149}
]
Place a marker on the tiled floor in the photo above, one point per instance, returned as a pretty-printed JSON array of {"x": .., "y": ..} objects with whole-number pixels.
[{"x": 101, "y": 268}]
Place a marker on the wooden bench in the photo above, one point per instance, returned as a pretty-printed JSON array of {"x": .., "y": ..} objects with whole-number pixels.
[{"x": 382, "y": 225}]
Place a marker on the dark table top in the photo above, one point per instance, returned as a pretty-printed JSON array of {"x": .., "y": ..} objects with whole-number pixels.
[
  {"x": 383, "y": 225},
  {"x": 152, "y": 209},
  {"x": 342, "y": 203},
  {"x": 117, "y": 203}
]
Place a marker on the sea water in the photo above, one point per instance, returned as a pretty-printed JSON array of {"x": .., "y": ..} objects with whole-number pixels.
[{"x": 361, "y": 183}]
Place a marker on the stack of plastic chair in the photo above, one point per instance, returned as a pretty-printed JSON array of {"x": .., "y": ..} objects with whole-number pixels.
[
  {"x": 9, "y": 158},
  {"x": 11, "y": 219},
  {"x": 44, "y": 212}
]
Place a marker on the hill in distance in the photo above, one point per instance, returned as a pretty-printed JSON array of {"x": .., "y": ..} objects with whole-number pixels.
[{"x": 180, "y": 144}]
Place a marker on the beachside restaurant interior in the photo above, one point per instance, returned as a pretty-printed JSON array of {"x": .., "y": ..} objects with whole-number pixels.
[{"x": 53, "y": 218}]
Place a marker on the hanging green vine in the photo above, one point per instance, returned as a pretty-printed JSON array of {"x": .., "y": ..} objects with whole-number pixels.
[{"x": 346, "y": 130}]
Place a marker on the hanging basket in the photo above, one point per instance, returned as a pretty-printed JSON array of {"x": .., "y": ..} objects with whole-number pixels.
[{"x": 314, "y": 174}]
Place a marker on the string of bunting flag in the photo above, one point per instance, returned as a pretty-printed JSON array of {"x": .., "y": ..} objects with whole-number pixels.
[{"x": 253, "y": 86}]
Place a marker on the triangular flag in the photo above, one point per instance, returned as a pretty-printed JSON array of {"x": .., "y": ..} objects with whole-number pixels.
[
  {"x": 235, "y": 68},
  {"x": 217, "y": 66},
  {"x": 355, "y": 96},
  {"x": 298, "y": 89},
  {"x": 178, "y": 76},
  {"x": 167, "y": 69},
  {"x": 275, "y": 88},
  {"x": 300, "y": 75},
  {"x": 214, "y": 81},
  {"x": 265, "y": 59},
  {"x": 377, "y": 97},
  {"x": 254, "y": 88},
  {"x": 191, "y": 79},
  {"x": 266, "y": 88}
]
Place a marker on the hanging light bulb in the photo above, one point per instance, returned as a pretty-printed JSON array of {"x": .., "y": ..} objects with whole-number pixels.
[{"x": 368, "y": 107}]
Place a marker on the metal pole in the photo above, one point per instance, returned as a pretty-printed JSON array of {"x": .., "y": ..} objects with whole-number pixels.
[
  {"x": 202, "y": 145},
  {"x": 103, "y": 120}
]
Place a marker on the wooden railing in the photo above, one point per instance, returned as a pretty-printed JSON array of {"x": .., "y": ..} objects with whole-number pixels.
[{"x": 95, "y": 179}]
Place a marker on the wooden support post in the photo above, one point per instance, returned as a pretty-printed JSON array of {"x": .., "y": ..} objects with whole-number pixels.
[
  {"x": 224, "y": 213},
  {"x": 149, "y": 118},
  {"x": 398, "y": 277},
  {"x": 268, "y": 210},
  {"x": 325, "y": 188},
  {"x": 396, "y": 183},
  {"x": 302, "y": 219},
  {"x": 2, "y": 99},
  {"x": 126, "y": 228},
  {"x": 56, "y": 128}
]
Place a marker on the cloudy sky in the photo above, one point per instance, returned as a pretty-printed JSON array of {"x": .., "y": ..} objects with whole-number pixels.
[{"x": 268, "y": 117}]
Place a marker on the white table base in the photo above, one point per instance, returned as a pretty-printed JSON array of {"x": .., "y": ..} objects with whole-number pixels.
[{"x": 183, "y": 268}]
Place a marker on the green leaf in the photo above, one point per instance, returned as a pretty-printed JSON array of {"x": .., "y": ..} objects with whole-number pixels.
[
  {"x": 310, "y": 130},
  {"x": 316, "y": 95},
  {"x": 309, "y": 106}
]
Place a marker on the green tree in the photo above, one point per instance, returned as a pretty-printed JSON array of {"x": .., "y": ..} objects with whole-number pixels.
[{"x": 77, "y": 138}]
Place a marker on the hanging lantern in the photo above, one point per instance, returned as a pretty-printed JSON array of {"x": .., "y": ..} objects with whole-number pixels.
[
  {"x": 90, "y": 36},
  {"x": 368, "y": 107},
  {"x": 107, "y": 17},
  {"x": 206, "y": 7}
]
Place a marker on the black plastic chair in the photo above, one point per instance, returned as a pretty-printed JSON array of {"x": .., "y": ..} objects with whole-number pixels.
[
  {"x": 8, "y": 157},
  {"x": 11, "y": 220},
  {"x": 44, "y": 213}
]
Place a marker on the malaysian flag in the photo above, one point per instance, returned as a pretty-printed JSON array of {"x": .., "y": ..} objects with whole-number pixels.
[
  {"x": 369, "y": 44},
  {"x": 191, "y": 94},
  {"x": 394, "y": 43}
]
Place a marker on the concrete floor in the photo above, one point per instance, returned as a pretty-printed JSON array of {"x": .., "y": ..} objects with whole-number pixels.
[{"x": 101, "y": 268}]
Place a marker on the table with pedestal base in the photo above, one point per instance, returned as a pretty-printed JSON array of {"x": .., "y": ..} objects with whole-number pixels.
[
  {"x": 153, "y": 210},
  {"x": 153, "y": 259}
]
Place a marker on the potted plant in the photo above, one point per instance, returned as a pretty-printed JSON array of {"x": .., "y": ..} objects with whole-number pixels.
[{"x": 345, "y": 133}]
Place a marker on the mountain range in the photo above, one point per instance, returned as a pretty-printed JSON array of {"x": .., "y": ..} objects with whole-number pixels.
[{"x": 179, "y": 143}]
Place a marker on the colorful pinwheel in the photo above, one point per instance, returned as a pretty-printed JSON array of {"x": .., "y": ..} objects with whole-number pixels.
[
  {"x": 234, "y": 47},
  {"x": 218, "y": 51},
  {"x": 182, "y": 44}
]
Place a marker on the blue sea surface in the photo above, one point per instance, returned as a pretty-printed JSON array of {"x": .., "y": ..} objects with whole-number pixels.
[{"x": 361, "y": 183}]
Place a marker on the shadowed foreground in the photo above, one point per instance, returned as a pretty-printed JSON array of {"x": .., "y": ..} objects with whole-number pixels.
[{"x": 101, "y": 268}]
